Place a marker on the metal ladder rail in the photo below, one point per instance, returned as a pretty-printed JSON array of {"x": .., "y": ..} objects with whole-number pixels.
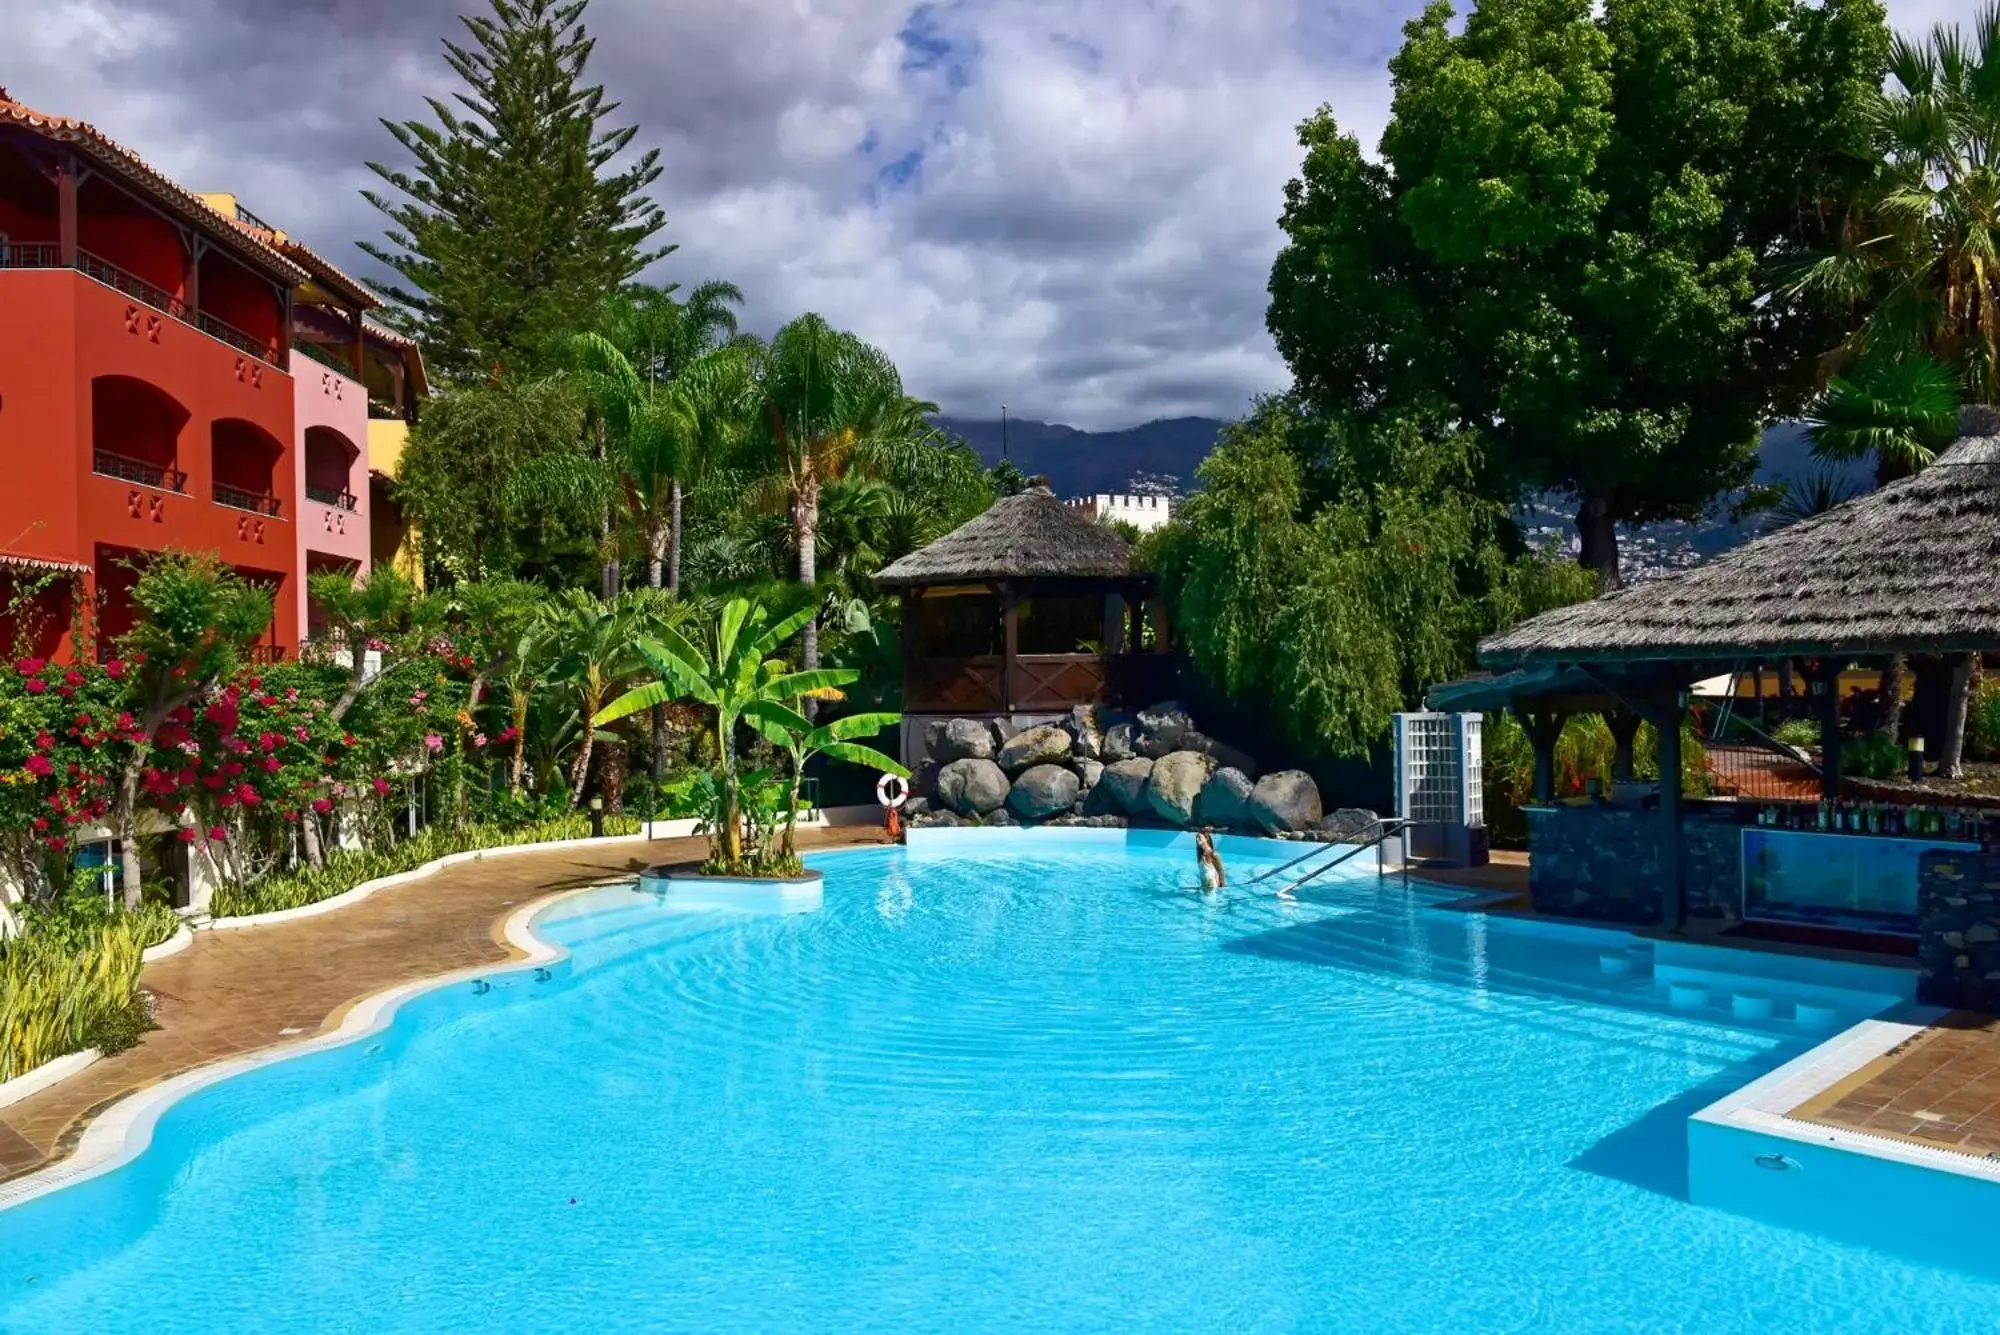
[
  {"x": 1384, "y": 831},
  {"x": 1382, "y": 828}
]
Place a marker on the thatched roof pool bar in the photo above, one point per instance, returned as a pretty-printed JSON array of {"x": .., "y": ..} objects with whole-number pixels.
[{"x": 1912, "y": 569}]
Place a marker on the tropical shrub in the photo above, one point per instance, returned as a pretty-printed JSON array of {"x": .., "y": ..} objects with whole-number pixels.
[
  {"x": 1584, "y": 751},
  {"x": 56, "y": 999},
  {"x": 1874, "y": 756}
]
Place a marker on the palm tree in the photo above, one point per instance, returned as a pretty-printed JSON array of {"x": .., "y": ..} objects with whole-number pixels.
[
  {"x": 591, "y": 642},
  {"x": 1919, "y": 245},
  {"x": 1898, "y": 410},
  {"x": 826, "y": 403},
  {"x": 735, "y": 674},
  {"x": 802, "y": 741}
]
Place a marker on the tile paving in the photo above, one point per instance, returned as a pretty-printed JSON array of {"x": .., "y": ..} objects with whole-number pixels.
[
  {"x": 1939, "y": 1088},
  {"x": 233, "y": 992}
]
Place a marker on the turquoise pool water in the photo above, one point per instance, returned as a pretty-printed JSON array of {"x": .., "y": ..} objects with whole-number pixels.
[{"x": 1041, "y": 1088}]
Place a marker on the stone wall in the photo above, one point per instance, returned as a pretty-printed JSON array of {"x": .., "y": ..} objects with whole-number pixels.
[
  {"x": 1596, "y": 862},
  {"x": 1605, "y": 864},
  {"x": 1958, "y": 929}
]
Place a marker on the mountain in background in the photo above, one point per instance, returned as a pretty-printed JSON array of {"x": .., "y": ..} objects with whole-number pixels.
[{"x": 1081, "y": 463}]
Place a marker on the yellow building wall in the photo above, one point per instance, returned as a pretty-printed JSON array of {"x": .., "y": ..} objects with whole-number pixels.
[{"x": 387, "y": 439}]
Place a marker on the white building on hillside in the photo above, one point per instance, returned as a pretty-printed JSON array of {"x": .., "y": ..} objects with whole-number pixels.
[{"x": 1144, "y": 513}]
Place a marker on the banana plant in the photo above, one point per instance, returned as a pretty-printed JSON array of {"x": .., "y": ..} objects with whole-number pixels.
[
  {"x": 788, "y": 728},
  {"x": 734, "y": 673}
]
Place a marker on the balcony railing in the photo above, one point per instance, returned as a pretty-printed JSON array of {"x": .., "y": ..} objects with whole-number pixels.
[
  {"x": 30, "y": 255},
  {"x": 381, "y": 410},
  {"x": 236, "y": 498},
  {"x": 109, "y": 274},
  {"x": 339, "y": 497},
  {"x": 236, "y": 338},
  {"x": 265, "y": 654},
  {"x": 127, "y": 469},
  {"x": 326, "y": 357},
  {"x": 47, "y": 255}
]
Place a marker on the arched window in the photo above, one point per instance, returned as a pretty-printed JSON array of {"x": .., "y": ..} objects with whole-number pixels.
[
  {"x": 135, "y": 432},
  {"x": 244, "y": 460},
  {"x": 330, "y": 458}
]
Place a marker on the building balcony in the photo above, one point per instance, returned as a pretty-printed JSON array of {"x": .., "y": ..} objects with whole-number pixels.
[
  {"x": 237, "y": 498},
  {"x": 47, "y": 255},
  {"x": 340, "y": 498},
  {"x": 325, "y": 356},
  {"x": 126, "y": 469}
]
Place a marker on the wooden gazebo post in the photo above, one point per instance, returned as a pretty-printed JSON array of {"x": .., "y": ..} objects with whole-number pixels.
[
  {"x": 1668, "y": 725},
  {"x": 1010, "y": 647}
]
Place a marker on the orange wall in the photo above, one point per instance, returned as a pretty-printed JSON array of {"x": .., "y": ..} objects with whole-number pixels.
[{"x": 59, "y": 330}]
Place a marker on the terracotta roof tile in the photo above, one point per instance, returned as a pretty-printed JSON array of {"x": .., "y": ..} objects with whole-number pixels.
[{"x": 109, "y": 153}]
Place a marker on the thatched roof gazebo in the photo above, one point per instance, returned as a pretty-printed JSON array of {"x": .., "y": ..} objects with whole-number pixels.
[
  {"x": 1030, "y": 608},
  {"x": 1912, "y": 568}
]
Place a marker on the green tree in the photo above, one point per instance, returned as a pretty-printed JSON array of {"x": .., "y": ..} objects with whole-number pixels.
[
  {"x": 1565, "y": 243},
  {"x": 1335, "y": 614},
  {"x": 196, "y": 620},
  {"x": 590, "y": 644},
  {"x": 457, "y": 480},
  {"x": 512, "y": 225},
  {"x": 801, "y": 741}
]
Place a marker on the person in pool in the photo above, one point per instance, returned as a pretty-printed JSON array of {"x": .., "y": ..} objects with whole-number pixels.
[{"x": 1212, "y": 878}]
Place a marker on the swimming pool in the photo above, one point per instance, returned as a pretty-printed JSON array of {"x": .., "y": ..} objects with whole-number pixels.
[{"x": 1026, "y": 1083}]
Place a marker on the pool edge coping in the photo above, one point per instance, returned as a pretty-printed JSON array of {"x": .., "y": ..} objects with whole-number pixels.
[
  {"x": 1764, "y": 1105},
  {"x": 122, "y": 1132}
]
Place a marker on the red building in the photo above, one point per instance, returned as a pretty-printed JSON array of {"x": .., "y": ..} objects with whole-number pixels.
[{"x": 144, "y": 403}]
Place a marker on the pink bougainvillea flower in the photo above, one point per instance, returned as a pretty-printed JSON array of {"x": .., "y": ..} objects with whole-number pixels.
[
  {"x": 433, "y": 742},
  {"x": 323, "y": 805},
  {"x": 232, "y": 768},
  {"x": 347, "y": 739},
  {"x": 272, "y": 764},
  {"x": 28, "y": 667},
  {"x": 226, "y": 801},
  {"x": 268, "y": 740},
  {"x": 255, "y": 683},
  {"x": 479, "y": 739},
  {"x": 187, "y": 834},
  {"x": 300, "y": 732},
  {"x": 381, "y": 787},
  {"x": 73, "y": 677},
  {"x": 58, "y": 844},
  {"x": 115, "y": 669},
  {"x": 36, "y": 686},
  {"x": 39, "y": 766},
  {"x": 246, "y": 794},
  {"x": 214, "y": 782},
  {"x": 39, "y": 824},
  {"x": 66, "y": 692},
  {"x": 218, "y": 834},
  {"x": 45, "y": 741}
]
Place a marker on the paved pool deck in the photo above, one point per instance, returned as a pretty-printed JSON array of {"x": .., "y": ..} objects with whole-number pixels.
[
  {"x": 233, "y": 992},
  {"x": 1939, "y": 1088}
]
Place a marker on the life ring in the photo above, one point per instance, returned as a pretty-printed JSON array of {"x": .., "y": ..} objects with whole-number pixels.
[{"x": 891, "y": 790}]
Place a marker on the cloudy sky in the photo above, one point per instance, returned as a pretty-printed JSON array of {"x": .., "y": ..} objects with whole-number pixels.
[{"x": 1068, "y": 206}]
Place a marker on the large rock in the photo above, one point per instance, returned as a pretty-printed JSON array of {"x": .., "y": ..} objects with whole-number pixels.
[
  {"x": 1227, "y": 756},
  {"x": 1176, "y": 781},
  {"x": 934, "y": 737},
  {"x": 1166, "y": 722},
  {"x": 1046, "y": 745},
  {"x": 1090, "y": 771},
  {"x": 923, "y": 779},
  {"x": 1224, "y": 800},
  {"x": 1287, "y": 800},
  {"x": 1086, "y": 730},
  {"x": 963, "y": 739},
  {"x": 1043, "y": 791},
  {"x": 972, "y": 787},
  {"x": 1000, "y": 819},
  {"x": 1004, "y": 731},
  {"x": 1349, "y": 823},
  {"x": 1121, "y": 742},
  {"x": 1124, "y": 785}
]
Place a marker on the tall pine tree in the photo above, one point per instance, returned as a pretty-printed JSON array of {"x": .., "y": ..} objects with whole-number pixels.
[{"x": 513, "y": 226}]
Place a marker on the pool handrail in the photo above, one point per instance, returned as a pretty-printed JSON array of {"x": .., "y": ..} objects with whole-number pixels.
[{"x": 1377, "y": 832}]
